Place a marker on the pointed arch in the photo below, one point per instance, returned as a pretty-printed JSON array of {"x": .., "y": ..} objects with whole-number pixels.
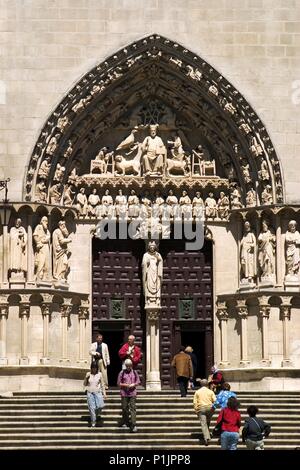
[{"x": 147, "y": 79}]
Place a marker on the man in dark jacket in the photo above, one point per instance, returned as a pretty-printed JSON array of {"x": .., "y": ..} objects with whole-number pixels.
[
  {"x": 184, "y": 370},
  {"x": 255, "y": 430}
]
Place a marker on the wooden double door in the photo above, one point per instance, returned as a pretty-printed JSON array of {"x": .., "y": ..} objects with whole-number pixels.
[{"x": 187, "y": 309}]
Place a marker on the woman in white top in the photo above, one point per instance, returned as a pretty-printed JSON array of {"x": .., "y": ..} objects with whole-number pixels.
[{"x": 95, "y": 390}]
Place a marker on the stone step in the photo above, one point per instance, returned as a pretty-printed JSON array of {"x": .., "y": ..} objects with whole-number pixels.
[
  {"x": 103, "y": 432},
  {"x": 131, "y": 440}
]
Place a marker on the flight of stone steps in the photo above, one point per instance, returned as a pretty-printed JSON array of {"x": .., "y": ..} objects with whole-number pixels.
[{"x": 164, "y": 420}]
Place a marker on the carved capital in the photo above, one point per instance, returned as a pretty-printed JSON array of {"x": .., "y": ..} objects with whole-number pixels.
[
  {"x": 286, "y": 300},
  {"x": 153, "y": 314},
  {"x": 47, "y": 298},
  {"x": 65, "y": 309},
  {"x": 3, "y": 299},
  {"x": 3, "y": 310},
  {"x": 222, "y": 311},
  {"x": 45, "y": 307},
  {"x": 242, "y": 308},
  {"x": 83, "y": 312},
  {"x": 285, "y": 312},
  {"x": 25, "y": 298},
  {"x": 24, "y": 309},
  {"x": 264, "y": 307}
]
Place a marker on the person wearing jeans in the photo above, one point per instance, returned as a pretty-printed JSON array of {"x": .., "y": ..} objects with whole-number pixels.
[
  {"x": 255, "y": 430},
  {"x": 230, "y": 418},
  {"x": 95, "y": 392}
]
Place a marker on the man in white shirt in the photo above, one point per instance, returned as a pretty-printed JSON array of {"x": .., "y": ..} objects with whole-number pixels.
[{"x": 100, "y": 354}]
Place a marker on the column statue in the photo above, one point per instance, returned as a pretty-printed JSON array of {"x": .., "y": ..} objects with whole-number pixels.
[
  {"x": 152, "y": 265},
  {"x": 292, "y": 252},
  {"x": 266, "y": 251},
  {"x": 248, "y": 263},
  {"x": 60, "y": 239},
  {"x": 18, "y": 249},
  {"x": 41, "y": 236}
]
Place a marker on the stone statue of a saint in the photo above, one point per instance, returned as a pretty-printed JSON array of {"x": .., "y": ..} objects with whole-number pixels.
[
  {"x": 211, "y": 209},
  {"x": 266, "y": 251},
  {"x": 248, "y": 264},
  {"x": 93, "y": 203},
  {"x": 292, "y": 250},
  {"x": 152, "y": 265},
  {"x": 198, "y": 206},
  {"x": 18, "y": 249},
  {"x": 223, "y": 206},
  {"x": 82, "y": 202},
  {"x": 41, "y": 236},
  {"x": 60, "y": 239},
  {"x": 154, "y": 153}
]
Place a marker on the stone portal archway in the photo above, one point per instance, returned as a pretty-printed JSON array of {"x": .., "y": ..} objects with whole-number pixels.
[{"x": 93, "y": 152}]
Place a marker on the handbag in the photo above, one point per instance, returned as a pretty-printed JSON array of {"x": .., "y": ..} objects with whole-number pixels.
[{"x": 217, "y": 431}]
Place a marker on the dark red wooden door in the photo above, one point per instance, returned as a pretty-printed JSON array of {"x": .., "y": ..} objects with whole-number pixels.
[
  {"x": 187, "y": 303},
  {"x": 117, "y": 290},
  {"x": 186, "y": 296}
]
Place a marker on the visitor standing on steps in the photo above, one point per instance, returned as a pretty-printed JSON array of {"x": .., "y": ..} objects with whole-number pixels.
[
  {"x": 128, "y": 380},
  {"x": 95, "y": 391},
  {"x": 184, "y": 370},
  {"x": 100, "y": 355},
  {"x": 130, "y": 351}
]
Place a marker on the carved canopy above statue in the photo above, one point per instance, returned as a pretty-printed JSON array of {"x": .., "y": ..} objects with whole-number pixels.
[{"x": 208, "y": 134}]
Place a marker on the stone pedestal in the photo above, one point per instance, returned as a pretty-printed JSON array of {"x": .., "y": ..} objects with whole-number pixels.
[
  {"x": 152, "y": 353},
  {"x": 292, "y": 283}
]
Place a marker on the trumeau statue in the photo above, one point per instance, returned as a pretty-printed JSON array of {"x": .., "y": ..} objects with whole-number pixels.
[
  {"x": 60, "y": 239},
  {"x": 152, "y": 266},
  {"x": 41, "y": 236},
  {"x": 248, "y": 264},
  {"x": 292, "y": 251},
  {"x": 18, "y": 249},
  {"x": 266, "y": 251},
  {"x": 154, "y": 152}
]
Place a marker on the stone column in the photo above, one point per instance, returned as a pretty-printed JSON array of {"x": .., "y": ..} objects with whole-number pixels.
[
  {"x": 3, "y": 320},
  {"x": 242, "y": 310},
  {"x": 83, "y": 315},
  {"x": 223, "y": 317},
  {"x": 285, "y": 315},
  {"x": 65, "y": 311},
  {"x": 264, "y": 311},
  {"x": 152, "y": 352},
  {"x": 24, "y": 315},
  {"x": 45, "y": 308},
  {"x": 30, "y": 254}
]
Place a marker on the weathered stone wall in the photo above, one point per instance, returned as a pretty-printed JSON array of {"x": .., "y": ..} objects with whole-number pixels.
[{"x": 47, "y": 45}]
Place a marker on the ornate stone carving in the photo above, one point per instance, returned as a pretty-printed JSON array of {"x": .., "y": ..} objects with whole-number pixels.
[
  {"x": 292, "y": 251},
  {"x": 235, "y": 197},
  {"x": 52, "y": 146},
  {"x": 154, "y": 152},
  {"x": 44, "y": 169},
  {"x": 223, "y": 206},
  {"x": 82, "y": 202},
  {"x": 251, "y": 198},
  {"x": 68, "y": 195},
  {"x": 133, "y": 204},
  {"x": 242, "y": 309},
  {"x": 211, "y": 209},
  {"x": 61, "y": 240},
  {"x": 152, "y": 266},
  {"x": 101, "y": 162},
  {"x": 248, "y": 257},
  {"x": 198, "y": 206},
  {"x": 93, "y": 203},
  {"x": 266, "y": 251},
  {"x": 41, "y": 237},
  {"x": 121, "y": 204},
  {"x": 83, "y": 312},
  {"x": 18, "y": 250},
  {"x": 222, "y": 311},
  {"x": 40, "y": 192},
  {"x": 107, "y": 205},
  {"x": 66, "y": 308},
  {"x": 266, "y": 195},
  {"x": 55, "y": 194}
]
